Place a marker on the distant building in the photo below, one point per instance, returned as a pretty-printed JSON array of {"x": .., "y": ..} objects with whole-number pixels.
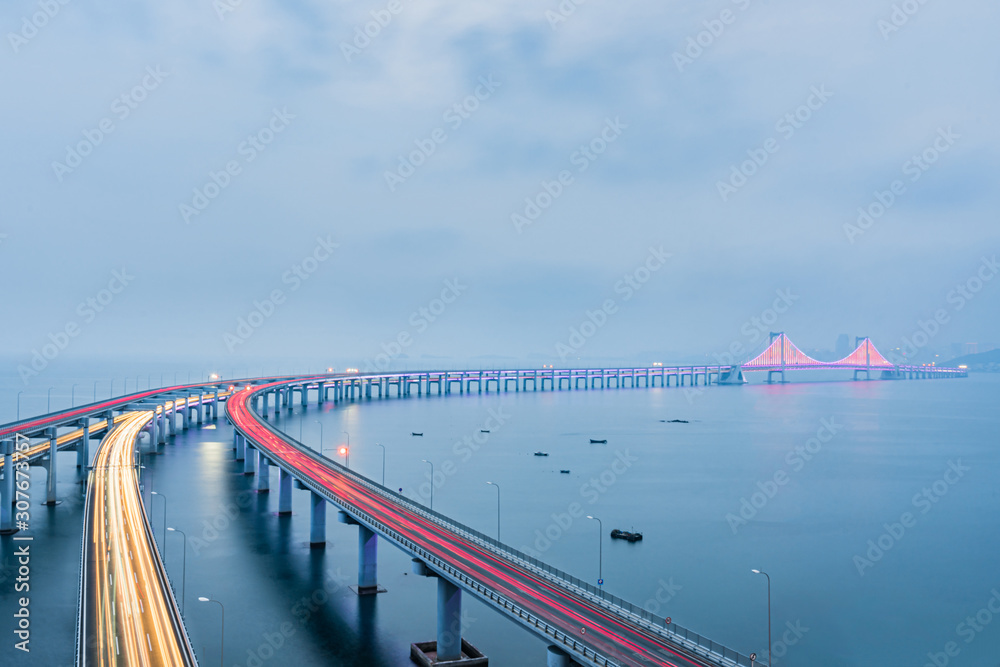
[{"x": 843, "y": 346}]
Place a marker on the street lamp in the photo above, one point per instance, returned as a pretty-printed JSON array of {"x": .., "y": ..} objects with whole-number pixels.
[
  {"x": 72, "y": 396},
  {"x": 346, "y": 452},
  {"x": 600, "y": 551},
  {"x": 383, "y": 462},
  {"x": 222, "y": 634},
  {"x": 154, "y": 493},
  {"x": 48, "y": 398},
  {"x": 19, "y": 405},
  {"x": 320, "y": 435},
  {"x": 95, "y": 391},
  {"x": 498, "y": 508},
  {"x": 183, "y": 566},
  {"x": 112, "y": 393},
  {"x": 432, "y": 481},
  {"x": 770, "y": 658}
]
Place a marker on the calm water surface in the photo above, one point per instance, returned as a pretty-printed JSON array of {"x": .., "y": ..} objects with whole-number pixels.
[{"x": 873, "y": 506}]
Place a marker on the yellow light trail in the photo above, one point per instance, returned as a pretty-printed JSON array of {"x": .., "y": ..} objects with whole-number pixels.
[{"x": 128, "y": 613}]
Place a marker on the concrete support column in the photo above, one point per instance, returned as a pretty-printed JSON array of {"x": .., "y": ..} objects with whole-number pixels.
[
  {"x": 7, "y": 489},
  {"x": 162, "y": 422},
  {"x": 367, "y": 561},
  {"x": 267, "y": 395},
  {"x": 172, "y": 418},
  {"x": 81, "y": 448},
  {"x": 449, "y": 617},
  {"x": 304, "y": 395},
  {"x": 556, "y": 657},
  {"x": 201, "y": 409},
  {"x": 284, "y": 491},
  {"x": 317, "y": 521},
  {"x": 321, "y": 391},
  {"x": 263, "y": 473},
  {"x": 240, "y": 447},
  {"x": 249, "y": 460},
  {"x": 50, "y": 483}
]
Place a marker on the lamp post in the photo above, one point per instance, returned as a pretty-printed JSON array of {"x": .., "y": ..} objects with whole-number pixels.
[
  {"x": 600, "y": 551},
  {"x": 19, "y": 405},
  {"x": 222, "y": 634},
  {"x": 72, "y": 395},
  {"x": 383, "y": 462},
  {"x": 111, "y": 394},
  {"x": 156, "y": 493},
  {"x": 95, "y": 391},
  {"x": 770, "y": 658},
  {"x": 48, "y": 398},
  {"x": 432, "y": 480},
  {"x": 320, "y": 435},
  {"x": 345, "y": 452},
  {"x": 183, "y": 566},
  {"x": 498, "y": 507}
]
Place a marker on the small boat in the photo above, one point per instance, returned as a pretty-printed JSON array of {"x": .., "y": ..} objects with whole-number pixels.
[
  {"x": 675, "y": 421},
  {"x": 598, "y": 442},
  {"x": 484, "y": 430},
  {"x": 564, "y": 472},
  {"x": 626, "y": 535},
  {"x": 541, "y": 453},
  {"x": 419, "y": 435}
]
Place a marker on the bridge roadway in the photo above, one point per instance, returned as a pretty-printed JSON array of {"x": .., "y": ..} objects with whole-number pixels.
[
  {"x": 128, "y": 615},
  {"x": 558, "y": 608}
]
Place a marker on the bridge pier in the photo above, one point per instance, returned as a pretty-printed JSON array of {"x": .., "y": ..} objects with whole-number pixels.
[
  {"x": 50, "y": 483},
  {"x": 266, "y": 397},
  {"x": 317, "y": 521},
  {"x": 7, "y": 489},
  {"x": 82, "y": 449},
  {"x": 284, "y": 492},
  {"x": 449, "y": 618},
  {"x": 556, "y": 657},
  {"x": 263, "y": 473},
  {"x": 240, "y": 447},
  {"x": 249, "y": 459}
]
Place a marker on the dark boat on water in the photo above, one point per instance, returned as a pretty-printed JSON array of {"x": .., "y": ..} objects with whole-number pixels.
[
  {"x": 626, "y": 535},
  {"x": 541, "y": 453},
  {"x": 419, "y": 435},
  {"x": 564, "y": 472},
  {"x": 594, "y": 441}
]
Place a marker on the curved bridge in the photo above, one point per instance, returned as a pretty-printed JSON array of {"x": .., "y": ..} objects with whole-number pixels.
[{"x": 576, "y": 618}]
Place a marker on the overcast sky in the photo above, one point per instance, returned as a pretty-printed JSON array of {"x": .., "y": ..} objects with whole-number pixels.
[{"x": 627, "y": 124}]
